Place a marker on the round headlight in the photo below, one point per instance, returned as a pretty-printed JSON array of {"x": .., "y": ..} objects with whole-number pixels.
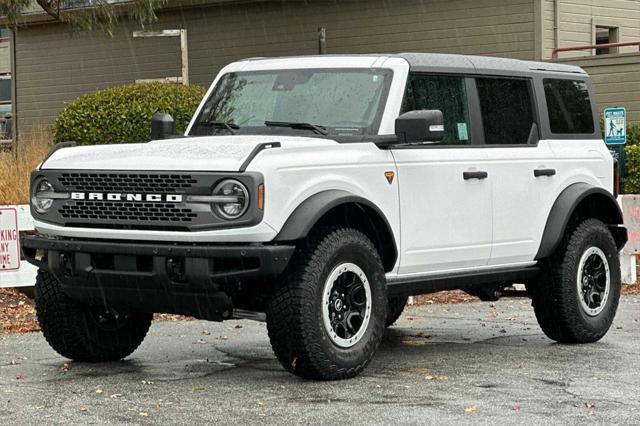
[
  {"x": 39, "y": 199},
  {"x": 237, "y": 201}
]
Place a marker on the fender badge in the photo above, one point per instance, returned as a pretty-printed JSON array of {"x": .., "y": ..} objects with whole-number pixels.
[{"x": 389, "y": 175}]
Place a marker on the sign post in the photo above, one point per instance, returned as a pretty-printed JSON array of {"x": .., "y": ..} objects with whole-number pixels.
[
  {"x": 9, "y": 240},
  {"x": 615, "y": 135}
]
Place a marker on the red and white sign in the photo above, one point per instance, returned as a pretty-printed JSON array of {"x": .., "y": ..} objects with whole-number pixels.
[{"x": 9, "y": 240}]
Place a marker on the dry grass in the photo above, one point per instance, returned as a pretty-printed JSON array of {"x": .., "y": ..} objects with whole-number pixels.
[{"x": 16, "y": 165}]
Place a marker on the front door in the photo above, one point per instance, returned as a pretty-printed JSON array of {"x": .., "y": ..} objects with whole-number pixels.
[{"x": 445, "y": 194}]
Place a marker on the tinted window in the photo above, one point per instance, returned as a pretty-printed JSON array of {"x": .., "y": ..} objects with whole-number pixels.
[
  {"x": 569, "y": 106},
  {"x": 507, "y": 114},
  {"x": 447, "y": 94}
]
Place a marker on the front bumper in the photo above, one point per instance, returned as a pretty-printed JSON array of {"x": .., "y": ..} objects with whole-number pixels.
[{"x": 191, "y": 279}]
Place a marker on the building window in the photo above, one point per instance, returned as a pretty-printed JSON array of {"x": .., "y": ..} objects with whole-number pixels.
[{"x": 606, "y": 35}]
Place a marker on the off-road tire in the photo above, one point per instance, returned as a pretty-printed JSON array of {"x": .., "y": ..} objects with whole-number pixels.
[
  {"x": 298, "y": 335},
  {"x": 395, "y": 306},
  {"x": 73, "y": 329},
  {"x": 555, "y": 295}
]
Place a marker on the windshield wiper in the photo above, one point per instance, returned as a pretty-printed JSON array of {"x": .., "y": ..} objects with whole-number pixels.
[
  {"x": 321, "y": 130},
  {"x": 231, "y": 127}
]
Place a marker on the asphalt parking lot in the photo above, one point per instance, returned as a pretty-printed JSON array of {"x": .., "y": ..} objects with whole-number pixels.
[{"x": 470, "y": 362}]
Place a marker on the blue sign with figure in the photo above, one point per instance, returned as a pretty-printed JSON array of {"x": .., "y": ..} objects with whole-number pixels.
[{"x": 615, "y": 126}]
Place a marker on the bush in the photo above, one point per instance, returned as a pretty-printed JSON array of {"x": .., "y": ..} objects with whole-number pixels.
[
  {"x": 632, "y": 163},
  {"x": 123, "y": 114},
  {"x": 633, "y": 134}
]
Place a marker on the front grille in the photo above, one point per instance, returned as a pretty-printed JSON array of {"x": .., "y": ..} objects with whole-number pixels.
[
  {"x": 120, "y": 191},
  {"x": 127, "y": 211},
  {"x": 127, "y": 182}
]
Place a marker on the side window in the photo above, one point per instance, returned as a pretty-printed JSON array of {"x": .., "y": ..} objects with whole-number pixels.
[
  {"x": 448, "y": 94},
  {"x": 507, "y": 112},
  {"x": 569, "y": 106}
]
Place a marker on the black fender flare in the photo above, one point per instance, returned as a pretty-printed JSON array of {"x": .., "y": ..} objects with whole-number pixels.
[
  {"x": 311, "y": 210},
  {"x": 564, "y": 207}
]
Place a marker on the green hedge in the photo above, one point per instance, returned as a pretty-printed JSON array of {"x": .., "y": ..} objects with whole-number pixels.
[
  {"x": 123, "y": 114},
  {"x": 632, "y": 160}
]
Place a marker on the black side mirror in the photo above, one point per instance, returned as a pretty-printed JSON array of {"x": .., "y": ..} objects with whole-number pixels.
[
  {"x": 163, "y": 126},
  {"x": 420, "y": 126}
]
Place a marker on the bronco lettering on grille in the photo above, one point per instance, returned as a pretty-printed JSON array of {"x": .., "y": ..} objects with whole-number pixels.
[{"x": 114, "y": 196}]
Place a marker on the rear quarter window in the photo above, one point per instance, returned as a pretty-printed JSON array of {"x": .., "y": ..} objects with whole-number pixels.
[{"x": 569, "y": 106}]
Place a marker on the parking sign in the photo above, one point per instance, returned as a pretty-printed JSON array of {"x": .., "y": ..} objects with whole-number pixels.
[
  {"x": 9, "y": 240},
  {"x": 615, "y": 126}
]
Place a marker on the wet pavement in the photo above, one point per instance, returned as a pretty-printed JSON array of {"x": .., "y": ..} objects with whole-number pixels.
[{"x": 470, "y": 362}]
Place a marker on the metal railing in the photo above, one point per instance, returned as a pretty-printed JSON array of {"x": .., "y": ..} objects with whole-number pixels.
[{"x": 554, "y": 53}]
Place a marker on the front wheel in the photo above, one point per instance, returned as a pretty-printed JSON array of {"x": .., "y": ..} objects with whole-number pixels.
[
  {"x": 327, "y": 320},
  {"x": 576, "y": 299}
]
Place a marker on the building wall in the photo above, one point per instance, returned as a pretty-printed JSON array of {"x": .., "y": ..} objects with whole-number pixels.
[
  {"x": 578, "y": 17},
  {"x": 616, "y": 81},
  {"x": 54, "y": 66}
]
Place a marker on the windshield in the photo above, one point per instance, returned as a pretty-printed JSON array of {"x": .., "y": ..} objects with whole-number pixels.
[{"x": 309, "y": 101}]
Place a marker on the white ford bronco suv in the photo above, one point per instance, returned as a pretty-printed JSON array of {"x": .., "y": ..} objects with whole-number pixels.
[{"x": 319, "y": 192}]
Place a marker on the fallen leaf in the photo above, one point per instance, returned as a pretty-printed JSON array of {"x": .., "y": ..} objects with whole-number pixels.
[
  {"x": 585, "y": 405},
  {"x": 471, "y": 409}
]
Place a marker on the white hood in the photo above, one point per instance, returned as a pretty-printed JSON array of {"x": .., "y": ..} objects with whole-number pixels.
[{"x": 209, "y": 153}]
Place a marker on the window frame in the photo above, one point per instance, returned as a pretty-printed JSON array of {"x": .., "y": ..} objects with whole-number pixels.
[
  {"x": 469, "y": 89},
  {"x": 544, "y": 108},
  {"x": 534, "y": 109},
  {"x": 609, "y": 25},
  {"x": 476, "y": 134}
]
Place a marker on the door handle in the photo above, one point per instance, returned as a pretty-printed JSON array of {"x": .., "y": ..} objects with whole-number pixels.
[
  {"x": 475, "y": 175},
  {"x": 544, "y": 172}
]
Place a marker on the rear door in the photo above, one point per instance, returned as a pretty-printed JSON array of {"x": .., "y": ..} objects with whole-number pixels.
[
  {"x": 445, "y": 203},
  {"x": 522, "y": 167}
]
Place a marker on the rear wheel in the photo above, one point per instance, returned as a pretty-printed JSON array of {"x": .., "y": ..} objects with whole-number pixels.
[
  {"x": 83, "y": 332},
  {"x": 576, "y": 299},
  {"x": 327, "y": 320}
]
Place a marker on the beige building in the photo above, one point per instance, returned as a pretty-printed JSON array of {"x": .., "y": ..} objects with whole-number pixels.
[{"x": 53, "y": 66}]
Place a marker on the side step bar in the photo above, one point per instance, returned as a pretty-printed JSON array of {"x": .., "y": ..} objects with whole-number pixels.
[{"x": 459, "y": 281}]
